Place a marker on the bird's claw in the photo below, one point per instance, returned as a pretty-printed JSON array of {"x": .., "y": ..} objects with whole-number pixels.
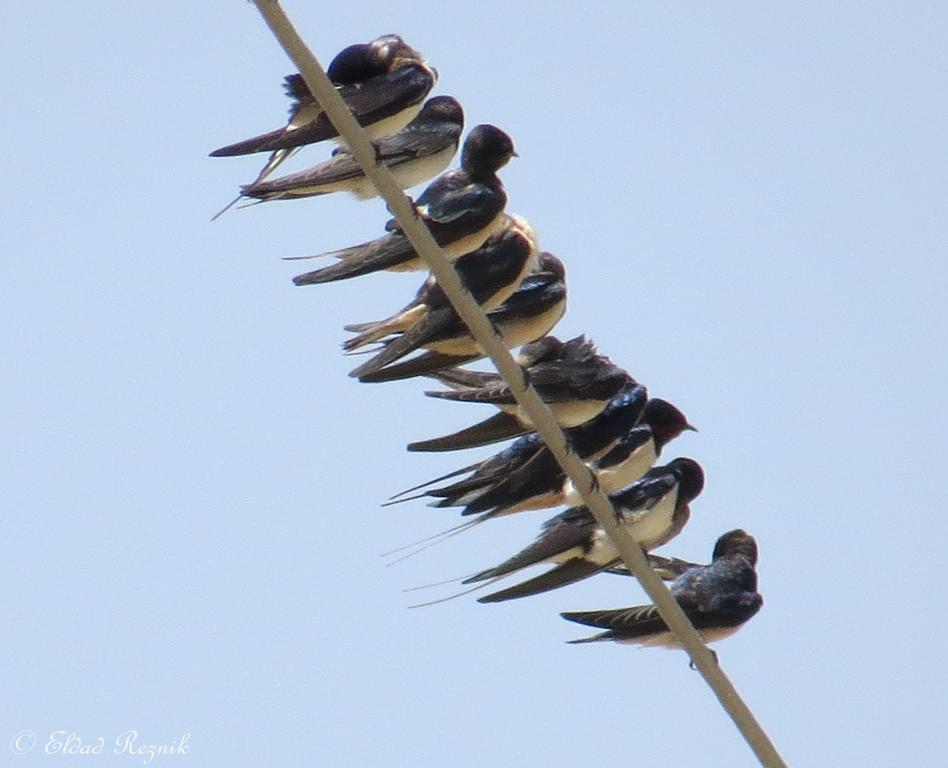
[{"x": 714, "y": 658}]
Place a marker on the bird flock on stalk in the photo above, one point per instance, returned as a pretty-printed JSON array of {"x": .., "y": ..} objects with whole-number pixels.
[{"x": 609, "y": 419}]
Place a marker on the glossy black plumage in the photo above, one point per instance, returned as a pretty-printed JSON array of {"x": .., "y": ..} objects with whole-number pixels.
[
  {"x": 589, "y": 442},
  {"x": 491, "y": 274},
  {"x": 542, "y": 483},
  {"x": 461, "y": 209},
  {"x": 530, "y": 312},
  {"x": 571, "y": 377},
  {"x": 718, "y": 599},
  {"x": 632, "y": 456},
  {"x": 653, "y": 510},
  {"x": 382, "y": 82},
  {"x": 417, "y": 153}
]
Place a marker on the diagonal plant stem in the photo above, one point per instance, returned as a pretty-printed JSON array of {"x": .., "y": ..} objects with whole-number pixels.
[{"x": 540, "y": 415}]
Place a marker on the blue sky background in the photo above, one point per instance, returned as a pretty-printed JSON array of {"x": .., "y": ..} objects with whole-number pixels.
[{"x": 750, "y": 200}]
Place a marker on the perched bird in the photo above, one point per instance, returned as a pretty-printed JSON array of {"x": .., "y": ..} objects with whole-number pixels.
[
  {"x": 529, "y": 313},
  {"x": 542, "y": 483},
  {"x": 653, "y": 510},
  {"x": 718, "y": 599},
  {"x": 635, "y": 454},
  {"x": 589, "y": 441},
  {"x": 383, "y": 83},
  {"x": 461, "y": 209},
  {"x": 491, "y": 274},
  {"x": 571, "y": 377},
  {"x": 420, "y": 151}
]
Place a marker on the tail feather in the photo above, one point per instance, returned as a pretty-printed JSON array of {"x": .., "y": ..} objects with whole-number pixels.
[
  {"x": 452, "y": 597},
  {"x": 360, "y": 327},
  {"x": 500, "y": 426},
  {"x": 391, "y": 251},
  {"x": 448, "y": 476},
  {"x": 563, "y": 574},
  {"x": 417, "y": 366},
  {"x": 492, "y": 395},
  {"x": 261, "y": 143},
  {"x": 273, "y": 162},
  {"x": 430, "y": 541},
  {"x": 461, "y": 378},
  {"x": 477, "y": 483},
  {"x": 343, "y": 270},
  {"x": 393, "y": 501},
  {"x": 372, "y": 332},
  {"x": 343, "y": 253},
  {"x": 247, "y": 190},
  {"x": 226, "y": 208},
  {"x": 427, "y": 326},
  {"x": 594, "y": 639},
  {"x": 457, "y": 499},
  {"x": 267, "y": 191}
]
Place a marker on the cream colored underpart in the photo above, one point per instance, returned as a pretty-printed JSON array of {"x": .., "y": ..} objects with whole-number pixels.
[
  {"x": 650, "y": 527},
  {"x": 387, "y": 127},
  {"x": 395, "y": 324},
  {"x": 596, "y": 455},
  {"x": 465, "y": 345},
  {"x": 667, "y": 639},
  {"x": 570, "y": 414},
  {"x": 521, "y": 333},
  {"x": 304, "y": 116},
  {"x": 602, "y": 551},
  {"x": 519, "y": 223},
  {"x": 411, "y": 265},
  {"x": 569, "y": 554},
  {"x": 458, "y": 248},
  {"x": 393, "y": 124},
  {"x": 537, "y": 327},
  {"x": 411, "y": 173},
  {"x": 497, "y": 299},
  {"x": 545, "y": 501},
  {"x": 573, "y": 414},
  {"x": 615, "y": 479},
  {"x": 474, "y": 241}
]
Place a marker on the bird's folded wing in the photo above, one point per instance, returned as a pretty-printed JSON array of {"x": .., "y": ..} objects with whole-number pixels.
[
  {"x": 560, "y": 535},
  {"x": 566, "y": 573},
  {"x": 500, "y": 426}
]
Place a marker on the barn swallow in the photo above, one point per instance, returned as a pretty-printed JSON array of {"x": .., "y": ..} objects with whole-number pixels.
[
  {"x": 667, "y": 568},
  {"x": 461, "y": 209},
  {"x": 420, "y": 151},
  {"x": 529, "y": 313},
  {"x": 491, "y": 274},
  {"x": 571, "y": 377},
  {"x": 718, "y": 599},
  {"x": 383, "y": 83},
  {"x": 589, "y": 441},
  {"x": 635, "y": 454},
  {"x": 498, "y": 427},
  {"x": 653, "y": 510},
  {"x": 542, "y": 483}
]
